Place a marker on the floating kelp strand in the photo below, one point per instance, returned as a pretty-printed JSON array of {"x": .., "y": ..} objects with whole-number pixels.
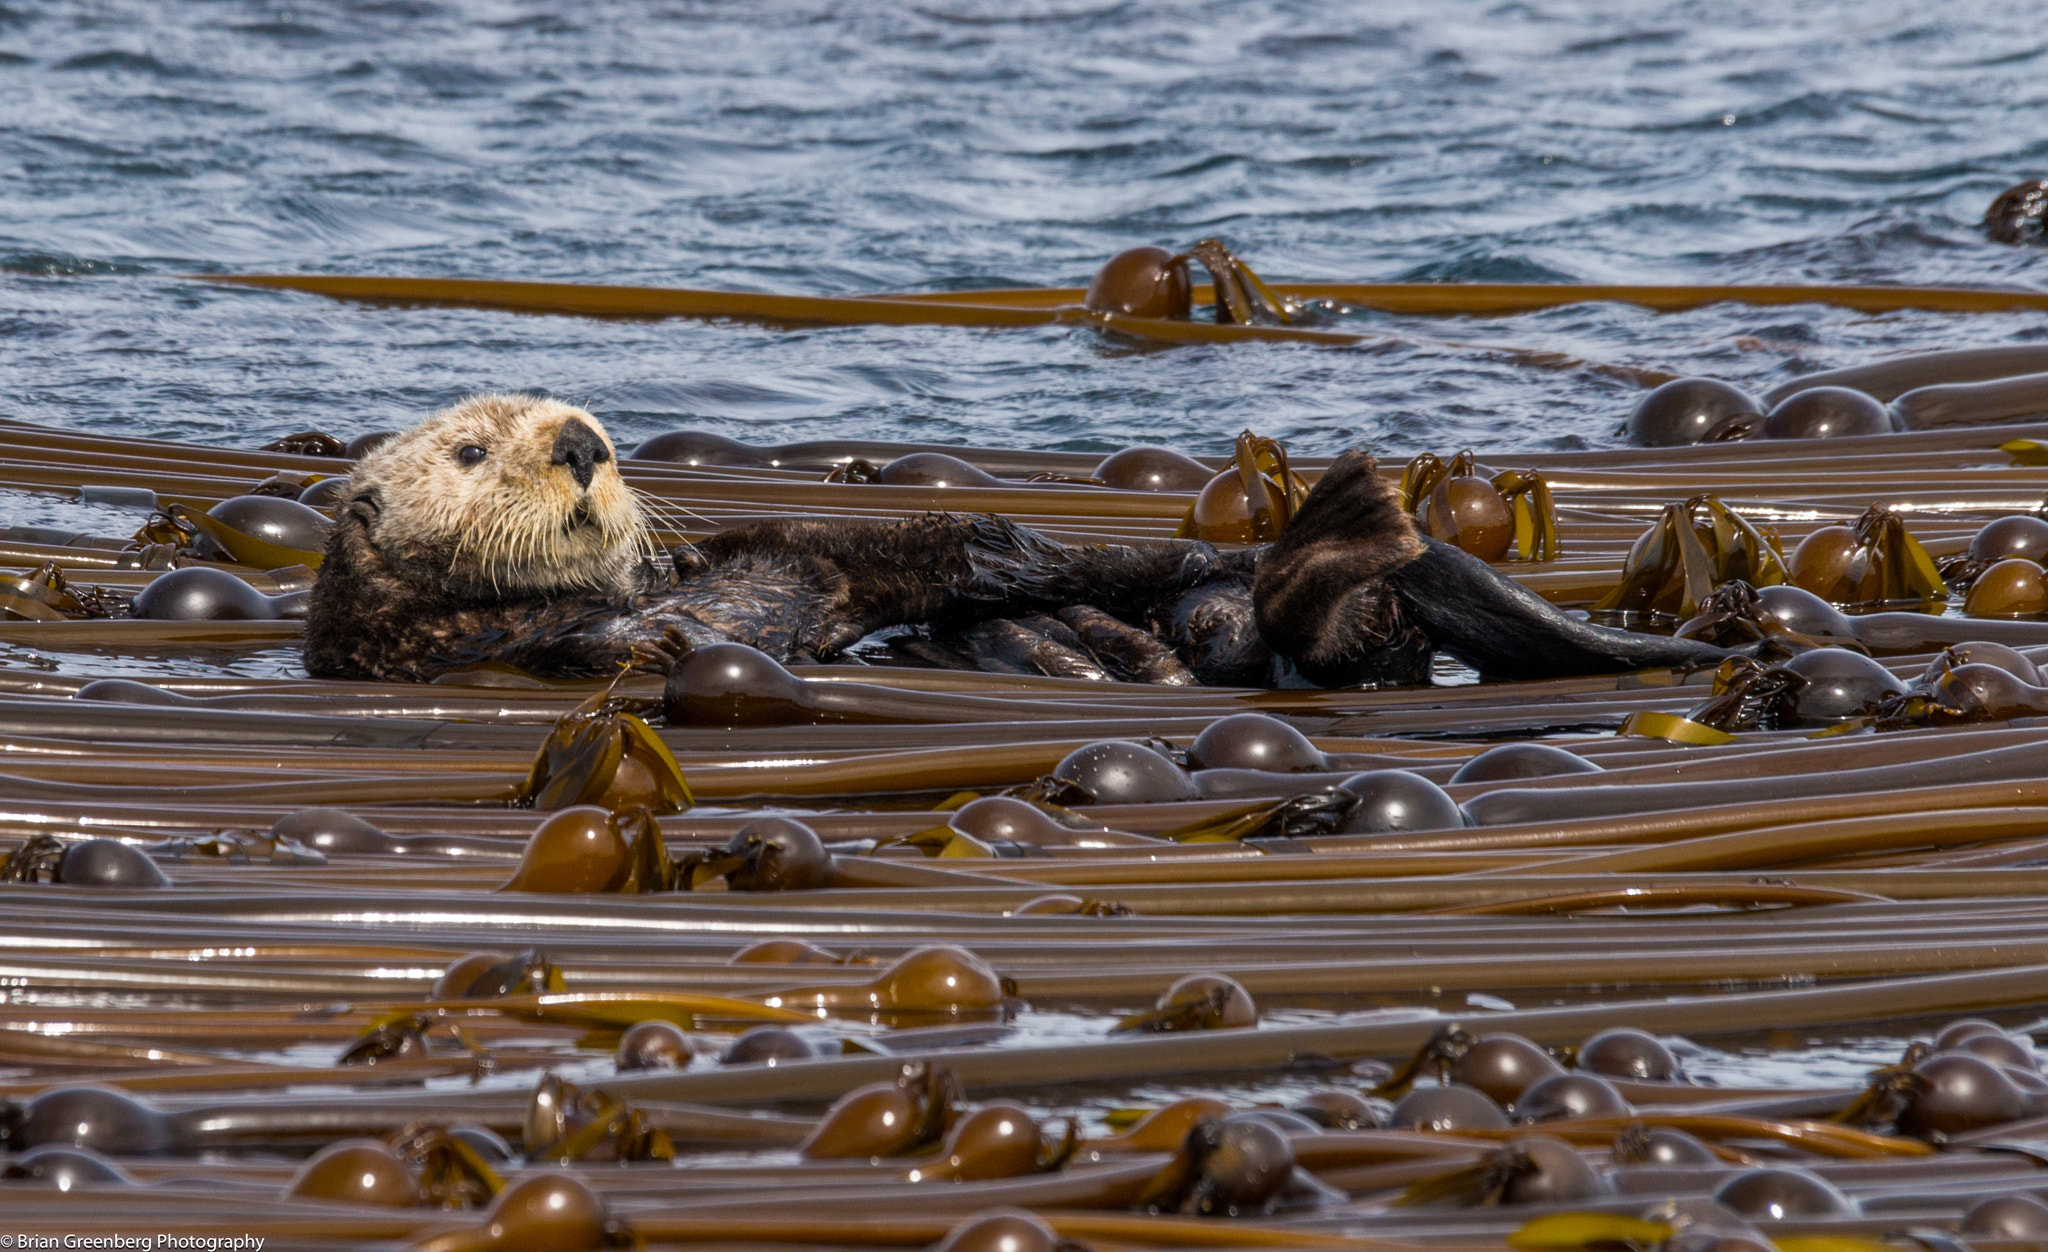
[
  {"x": 287, "y": 965},
  {"x": 1506, "y": 805},
  {"x": 1028, "y": 307},
  {"x": 1232, "y": 1049},
  {"x": 49, "y": 444},
  {"x": 1064, "y": 966}
]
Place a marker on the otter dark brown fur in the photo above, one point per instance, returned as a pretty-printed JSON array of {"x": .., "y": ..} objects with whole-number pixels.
[
  {"x": 1351, "y": 593},
  {"x": 1322, "y": 593},
  {"x": 500, "y": 531},
  {"x": 795, "y": 590}
]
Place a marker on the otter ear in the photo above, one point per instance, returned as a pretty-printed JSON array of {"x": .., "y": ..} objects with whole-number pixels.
[{"x": 367, "y": 503}]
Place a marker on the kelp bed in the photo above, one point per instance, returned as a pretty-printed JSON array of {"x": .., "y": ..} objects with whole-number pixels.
[{"x": 1706, "y": 993}]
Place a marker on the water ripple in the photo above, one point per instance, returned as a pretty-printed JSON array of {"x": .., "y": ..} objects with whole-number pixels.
[{"x": 801, "y": 146}]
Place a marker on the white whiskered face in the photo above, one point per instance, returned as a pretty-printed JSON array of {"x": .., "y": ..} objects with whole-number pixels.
[{"x": 505, "y": 494}]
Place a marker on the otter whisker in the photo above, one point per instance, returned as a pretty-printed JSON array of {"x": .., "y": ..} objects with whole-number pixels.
[
  {"x": 663, "y": 534},
  {"x": 668, "y": 508},
  {"x": 669, "y": 518}
]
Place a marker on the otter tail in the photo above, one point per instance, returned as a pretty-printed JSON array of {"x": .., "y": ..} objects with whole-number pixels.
[{"x": 1504, "y": 630}]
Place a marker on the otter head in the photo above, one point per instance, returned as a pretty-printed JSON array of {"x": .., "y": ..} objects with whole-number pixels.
[{"x": 501, "y": 495}]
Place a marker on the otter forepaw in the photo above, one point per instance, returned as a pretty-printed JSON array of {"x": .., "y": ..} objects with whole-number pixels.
[
  {"x": 832, "y": 636},
  {"x": 658, "y": 654}
]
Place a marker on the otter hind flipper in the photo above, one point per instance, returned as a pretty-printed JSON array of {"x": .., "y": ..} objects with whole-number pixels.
[
  {"x": 1034, "y": 644},
  {"x": 1504, "y": 630},
  {"x": 1214, "y": 629},
  {"x": 950, "y": 571},
  {"x": 1130, "y": 653},
  {"x": 1322, "y": 598}
]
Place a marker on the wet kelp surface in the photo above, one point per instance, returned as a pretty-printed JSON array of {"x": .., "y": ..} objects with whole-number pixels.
[{"x": 931, "y": 946}]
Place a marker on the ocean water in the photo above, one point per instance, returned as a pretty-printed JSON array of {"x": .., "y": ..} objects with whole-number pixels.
[{"x": 857, "y": 147}]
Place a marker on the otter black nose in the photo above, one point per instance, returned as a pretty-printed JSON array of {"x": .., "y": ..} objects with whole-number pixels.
[{"x": 581, "y": 449}]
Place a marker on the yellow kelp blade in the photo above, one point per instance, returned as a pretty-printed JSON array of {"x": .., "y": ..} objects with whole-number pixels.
[
  {"x": 1651, "y": 563},
  {"x": 582, "y": 755},
  {"x": 1229, "y": 826},
  {"x": 1425, "y": 470},
  {"x": 1581, "y": 1230},
  {"x": 1670, "y": 727},
  {"x": 642, "y": 744},
  {"x": 1920, "y": 577},
  {"x": 2025, "y": 451},
  {"x": 575, "y": 765},
  {"x": 1272, "y": 492},
  {"x": 942, "y": 841},
  {"x": 1831, "y": 1243},
  {"x": 1671, "y": 569},
  {"x": 1743, "y": 550},
  {"x": 1528, "y": 495}
]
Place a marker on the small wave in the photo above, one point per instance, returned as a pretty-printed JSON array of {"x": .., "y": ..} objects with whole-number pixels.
[
  {"x": 1626, "y": 39},
  {"x": 285, "y": 31},
  {"x": 121, "y": 62},
  {"x": 1338, "y": 163},
  {"x": 2019, "y": 56},
  {"x": 392, "y": 147},
  {"x": 1810, "y": 106},
  {"x": 1207, "y": 165},
  {"x": 1485, "y": 269},
  {"x": 1881, "y": 249},
  {"x": 707, "y": 394},
  {"x": 1083, "y": 18},
  {"x": 1099, "y": 153},
  {"x": 452, "y": 77},
  {"x": 904, "y": 380},
  {"x": 1325, "y": 43},
  {"x": 405, "y": 10},
  {"x": 63, "y": 265},
  {"x": 538, "y": 24}
]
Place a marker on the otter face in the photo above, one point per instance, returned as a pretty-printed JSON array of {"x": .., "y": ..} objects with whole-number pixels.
[{"x": 503, "y": 494}]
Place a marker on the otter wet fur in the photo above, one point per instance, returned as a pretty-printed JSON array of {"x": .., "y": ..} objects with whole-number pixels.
[
  {"x": 1322, "y": 597},
  {"x": 491, "y": 531},
  {"x": 500, "y": 530},
  {"x": 1351, "y": 594}
]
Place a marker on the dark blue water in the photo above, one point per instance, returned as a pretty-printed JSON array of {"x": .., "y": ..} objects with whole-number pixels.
[{"x": 856, "y": 147}]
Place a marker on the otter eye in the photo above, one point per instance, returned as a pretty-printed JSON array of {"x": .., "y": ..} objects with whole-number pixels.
[{"x": 470, "y": 454}]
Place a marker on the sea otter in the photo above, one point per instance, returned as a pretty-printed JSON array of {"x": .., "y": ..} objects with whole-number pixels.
[{"x": 500, "y": 530}]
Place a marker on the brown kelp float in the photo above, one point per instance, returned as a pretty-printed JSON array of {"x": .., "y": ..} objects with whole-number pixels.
[
  {"x": 1495, "y": 517},
  {"x": 2016, "y": 215},
  {"x": 1026, "y": 925}
]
